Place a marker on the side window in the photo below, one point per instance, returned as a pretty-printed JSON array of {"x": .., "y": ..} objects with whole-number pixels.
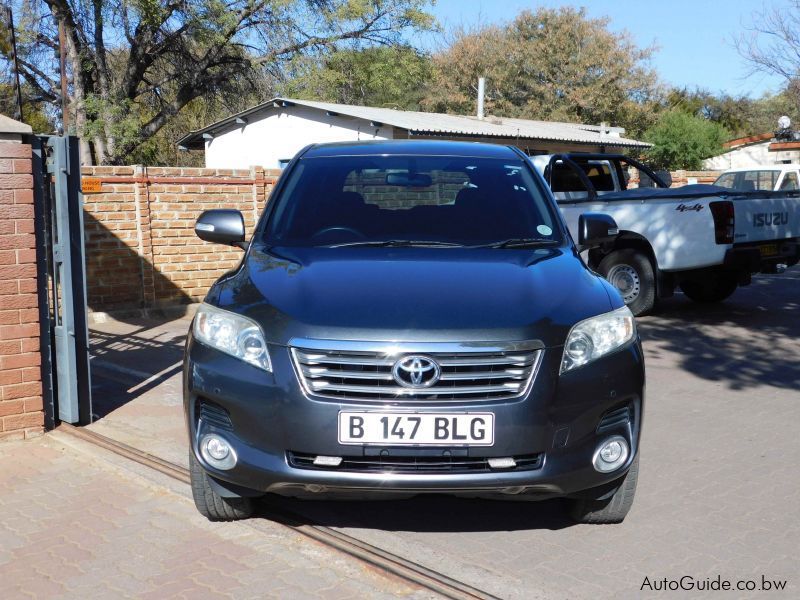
[
  {"x": 566, "y": 179},
  {"x": 790, "y": 182}
]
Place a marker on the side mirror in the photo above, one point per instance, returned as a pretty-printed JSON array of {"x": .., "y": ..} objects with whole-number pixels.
[
  {"x": 221, "y": 226},
  {"x": 595, "y": 229}
]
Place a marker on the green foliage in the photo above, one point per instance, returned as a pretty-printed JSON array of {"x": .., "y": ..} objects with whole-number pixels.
[
  {"x": 554, "y": 64},
  {"x": 682, "y": 140},
  {"x": 387, "y": 76}
]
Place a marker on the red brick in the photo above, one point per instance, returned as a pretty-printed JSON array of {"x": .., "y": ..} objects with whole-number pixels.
[
  {"x": 18, "y": 361},
  {"x": 9, "y": 377},
  {"x": 34, "y": 419},
  {"x": 8, "y": 257},
  {"x": 26, "y": 256},
  {"x": 22, "y": 390},
  {"x": 31, "y": 374},
  {"x": 23, "y": 196},
  {"x": 9, "y": 317},
  {"x": 22, "y": 166},
  {"x": 7, "y": 227},
  {"x": 7, "y": 165},
  {"x": 16, "y": 211},
  {"x": 18, "y": 300},
  {"x": 29, "y": 315},
  {"x": 15, "y": 242},
  {"x": 16, "y": 182},
  {"x": 16, "y": 332},
  {"x": 25, "y": 226},
  {"x": 34, "y": 404},
  {"x": 12, "y": 407},
  {"x": 14, "y": 150}
]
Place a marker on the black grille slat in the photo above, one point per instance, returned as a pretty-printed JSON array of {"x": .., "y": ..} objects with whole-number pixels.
[
  {"x": 213, "y": 414},
  {"x": 413, "y": 464},
  {"x": 615, "y": 418}
]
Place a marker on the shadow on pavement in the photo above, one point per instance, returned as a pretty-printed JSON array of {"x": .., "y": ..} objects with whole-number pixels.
[
  {"x": 747, "y": 341},
  {"x": 129, "y": 359},
  {"x": 427, "y": 513}
]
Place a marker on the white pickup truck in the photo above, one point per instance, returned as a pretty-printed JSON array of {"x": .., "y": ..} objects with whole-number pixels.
[{"x": 706, "y": 239}]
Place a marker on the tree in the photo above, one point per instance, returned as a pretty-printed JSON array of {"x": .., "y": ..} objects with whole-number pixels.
[
  {"x": 553, "y": 64},
  {"x": 134, "y": 65},
  {"x": 772, "y": 44},
  {"x": 387, "y": 76},
  {"x": 682, "y": 140}
]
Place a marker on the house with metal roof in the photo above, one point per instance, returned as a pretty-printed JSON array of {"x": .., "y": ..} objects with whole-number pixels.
[{"x": 269, "y": 134}]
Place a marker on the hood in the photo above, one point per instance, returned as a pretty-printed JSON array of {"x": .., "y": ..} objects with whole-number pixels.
[{"x": 414, "y": 294}]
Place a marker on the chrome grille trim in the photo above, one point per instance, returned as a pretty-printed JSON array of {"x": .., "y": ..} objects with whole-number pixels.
[{"x": 362, "y": 371}]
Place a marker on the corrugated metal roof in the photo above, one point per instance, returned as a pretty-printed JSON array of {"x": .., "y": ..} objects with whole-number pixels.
[{"x": 444, "y": 124}]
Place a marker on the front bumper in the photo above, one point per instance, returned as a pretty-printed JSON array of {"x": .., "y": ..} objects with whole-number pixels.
[{"x": 269, "y": 415}]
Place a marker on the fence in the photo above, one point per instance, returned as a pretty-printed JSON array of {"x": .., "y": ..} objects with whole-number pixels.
[{"x": 141, "y": 251}]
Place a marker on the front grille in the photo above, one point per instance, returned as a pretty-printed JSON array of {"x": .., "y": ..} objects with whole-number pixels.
[
  {"x": 367, "y": 375},
  {"x": 414, "y": 464},
  {"x": 615, "y": 418},
  {"x": 213, "y": 414}
]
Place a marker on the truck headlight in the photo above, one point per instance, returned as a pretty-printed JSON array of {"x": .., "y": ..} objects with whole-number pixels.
[
  {"x": 596, "y": 337},
  {"x": 233, "y": 334}
]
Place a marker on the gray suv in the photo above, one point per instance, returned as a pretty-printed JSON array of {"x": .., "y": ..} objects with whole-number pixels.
[{"x": 410, "y": 318}]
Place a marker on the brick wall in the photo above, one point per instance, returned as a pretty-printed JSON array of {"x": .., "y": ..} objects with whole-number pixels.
[
  {"x": 21, "y": 412},
  {"x": 141, "y": 250}
]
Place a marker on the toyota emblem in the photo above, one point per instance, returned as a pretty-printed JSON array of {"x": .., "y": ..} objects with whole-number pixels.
[{"x": 416, "y": 371}]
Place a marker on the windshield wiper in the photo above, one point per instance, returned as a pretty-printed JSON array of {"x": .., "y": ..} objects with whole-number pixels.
[
  {"x": 519, "y": 243},
  {"x": 394, "y": 243}
]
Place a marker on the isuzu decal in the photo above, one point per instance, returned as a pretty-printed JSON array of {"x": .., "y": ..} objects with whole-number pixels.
[{"x": 770, "y": 219}]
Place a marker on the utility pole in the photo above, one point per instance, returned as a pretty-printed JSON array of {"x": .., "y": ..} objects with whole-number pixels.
[
  {"x": 14, "y": 63},
  {"x": 62, "y": 61}
]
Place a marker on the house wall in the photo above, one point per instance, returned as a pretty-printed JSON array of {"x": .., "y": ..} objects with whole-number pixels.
[
  {"x": 280, "y": 135},
  {"x": 752, "y": 155}
]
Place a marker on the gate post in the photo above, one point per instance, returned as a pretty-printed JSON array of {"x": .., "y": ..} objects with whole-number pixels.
[{"x": 21, "y": 406}]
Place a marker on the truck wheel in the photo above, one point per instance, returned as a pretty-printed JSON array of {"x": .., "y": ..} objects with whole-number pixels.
[
  {"x": 210, "y": 504},
  {"x": 716, "y": 287},
  {"x": 632, "y": 274},
  {"x": 609, "y": 510}
]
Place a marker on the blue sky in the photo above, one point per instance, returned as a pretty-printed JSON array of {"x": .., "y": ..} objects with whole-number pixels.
[{"x": 694, "y": 38}]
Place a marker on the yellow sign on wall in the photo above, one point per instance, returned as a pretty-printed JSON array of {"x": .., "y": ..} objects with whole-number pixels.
[{"x": 91, "y": 185}]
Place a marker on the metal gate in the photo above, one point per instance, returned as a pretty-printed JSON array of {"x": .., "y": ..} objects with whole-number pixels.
[{"x": 62, "y": 279}]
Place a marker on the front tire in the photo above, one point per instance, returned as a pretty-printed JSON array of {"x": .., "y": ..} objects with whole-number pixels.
[
  {"x": 715, "y": 287},
  {"x": 613, "y": 509},
  {"x": 631, "y": 272},
  {"x": 210, "y": 504}
]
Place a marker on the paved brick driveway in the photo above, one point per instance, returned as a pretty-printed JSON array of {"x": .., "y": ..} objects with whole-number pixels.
[
  {"x": 719, "y": 483},
  {"x": 74, "y": 525}
]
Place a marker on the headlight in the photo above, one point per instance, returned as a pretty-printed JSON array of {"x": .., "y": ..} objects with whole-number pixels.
[
  {"x": 596, "y": 337},
  {"x": 233, "y": 334}
]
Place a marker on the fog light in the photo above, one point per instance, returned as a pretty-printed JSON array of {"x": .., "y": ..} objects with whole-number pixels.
[
  {"x": 217, "y": 452},
  {"x": 611, "y": 454}
]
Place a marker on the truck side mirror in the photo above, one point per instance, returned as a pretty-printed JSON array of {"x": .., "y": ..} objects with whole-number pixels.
[
  {"x": 595, "y": 229},
  {"x": 221, "y": 226}
]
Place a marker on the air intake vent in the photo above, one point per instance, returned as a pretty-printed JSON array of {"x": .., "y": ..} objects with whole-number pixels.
[
  {"x": 615, "y": 418},
  {"x": 213, "y": 414},
  {"x": 413, "y": 464}
]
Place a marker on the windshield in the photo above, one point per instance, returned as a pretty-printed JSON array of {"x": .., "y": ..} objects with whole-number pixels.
[
  {"x": 749, "y": 181},
  {"x": 440, "y": 200}
]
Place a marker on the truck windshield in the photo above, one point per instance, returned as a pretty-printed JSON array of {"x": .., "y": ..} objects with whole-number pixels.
[
  {"x": 438, "y": 201},
  {"x": 749, "y": 181}
]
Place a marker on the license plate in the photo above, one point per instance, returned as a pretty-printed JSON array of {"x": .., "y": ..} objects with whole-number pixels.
[
  {"x": 416, "y": 429},
  {"x": 768, "y": 249}
]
